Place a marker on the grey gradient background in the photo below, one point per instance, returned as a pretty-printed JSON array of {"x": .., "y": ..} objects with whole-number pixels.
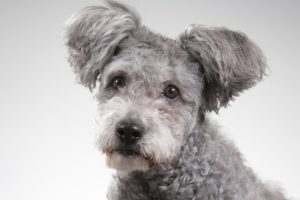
[{"x": 46, "y": 120}]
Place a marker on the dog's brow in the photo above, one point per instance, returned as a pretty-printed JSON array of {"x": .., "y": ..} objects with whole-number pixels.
[{"x": 108, "y": 76}]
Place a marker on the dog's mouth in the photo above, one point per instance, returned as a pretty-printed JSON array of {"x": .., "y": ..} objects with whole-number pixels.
[
  {"x": 124, "y": 151},
  {"x": 127, "y": 159},
  {"x": 127, "y": 152},
  {"x": 130, "y": 153}
]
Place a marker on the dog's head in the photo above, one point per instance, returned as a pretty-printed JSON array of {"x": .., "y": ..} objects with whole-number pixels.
[{"x": 154, "y": 90}]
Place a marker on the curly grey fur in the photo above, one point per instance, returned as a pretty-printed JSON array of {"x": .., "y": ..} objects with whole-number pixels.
[
  {"x": 230, "y": 61},
  {"x": 208, "y": 167},
  {"x": 93, "y": 35},
  {"x": 210, "y": 66}
]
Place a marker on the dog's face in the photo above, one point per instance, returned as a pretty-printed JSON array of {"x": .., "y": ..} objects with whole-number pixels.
[
  {"x": 148, "y": 99},
  {"x": 152, "y": 90}
]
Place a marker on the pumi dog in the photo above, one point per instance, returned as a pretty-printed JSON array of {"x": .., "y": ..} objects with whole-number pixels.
[{"x": 154, "y": 95}]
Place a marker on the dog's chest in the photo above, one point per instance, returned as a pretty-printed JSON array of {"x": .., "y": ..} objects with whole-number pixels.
[{"x": 172, "y": 185}]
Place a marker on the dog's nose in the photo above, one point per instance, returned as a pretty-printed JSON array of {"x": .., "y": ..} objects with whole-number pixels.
[{"x": 129, "y": 132}]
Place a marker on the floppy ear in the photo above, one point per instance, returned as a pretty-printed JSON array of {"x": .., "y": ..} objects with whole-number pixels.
[
  {"x": 92, "y": 37},
  {"x": 229, "y": 60}
]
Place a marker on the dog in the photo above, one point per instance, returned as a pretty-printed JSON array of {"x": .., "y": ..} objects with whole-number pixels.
[{"x": 154, "y": 96}]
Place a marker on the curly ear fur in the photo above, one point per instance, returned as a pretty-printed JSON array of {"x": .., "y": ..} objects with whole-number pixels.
[
  {"x": 92, "y": 36},
  {"x": 230, "y": 61}
]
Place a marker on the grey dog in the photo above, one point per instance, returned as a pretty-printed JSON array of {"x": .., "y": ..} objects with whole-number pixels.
[{"x": 154, "y": 95}]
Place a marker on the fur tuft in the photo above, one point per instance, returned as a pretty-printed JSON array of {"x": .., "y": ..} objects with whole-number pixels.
[{"x": 92, "y": 36}]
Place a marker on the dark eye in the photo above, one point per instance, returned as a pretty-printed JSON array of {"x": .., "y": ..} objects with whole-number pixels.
[
  {"x": 171, "y": 92},
  {"x": 118, "y": 82}
]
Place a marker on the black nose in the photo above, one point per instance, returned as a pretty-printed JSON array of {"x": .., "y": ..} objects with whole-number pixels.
[{"x": 129, "y": 132}]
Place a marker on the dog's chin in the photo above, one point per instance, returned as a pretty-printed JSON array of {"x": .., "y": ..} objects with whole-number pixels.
[{"x": 127, "y": 161}]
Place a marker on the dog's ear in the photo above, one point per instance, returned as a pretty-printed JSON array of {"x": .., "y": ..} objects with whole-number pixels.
[
  {"x": 229, "y": 61},
  {"x": 92, "y": 37}
]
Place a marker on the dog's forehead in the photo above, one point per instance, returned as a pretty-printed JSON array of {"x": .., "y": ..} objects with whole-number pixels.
[{"x": 155, "y": 64}]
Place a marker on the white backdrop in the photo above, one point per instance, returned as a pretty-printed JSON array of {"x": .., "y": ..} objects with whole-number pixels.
[{"x": 46, "y": 120}]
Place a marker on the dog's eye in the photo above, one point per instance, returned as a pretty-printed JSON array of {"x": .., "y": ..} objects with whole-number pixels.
[
  {"x": 118, "y": 82},
  {"x": 171, "y": 92}
]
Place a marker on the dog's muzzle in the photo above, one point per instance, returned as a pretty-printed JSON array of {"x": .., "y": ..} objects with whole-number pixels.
[{"x": 129, "y": 133}]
